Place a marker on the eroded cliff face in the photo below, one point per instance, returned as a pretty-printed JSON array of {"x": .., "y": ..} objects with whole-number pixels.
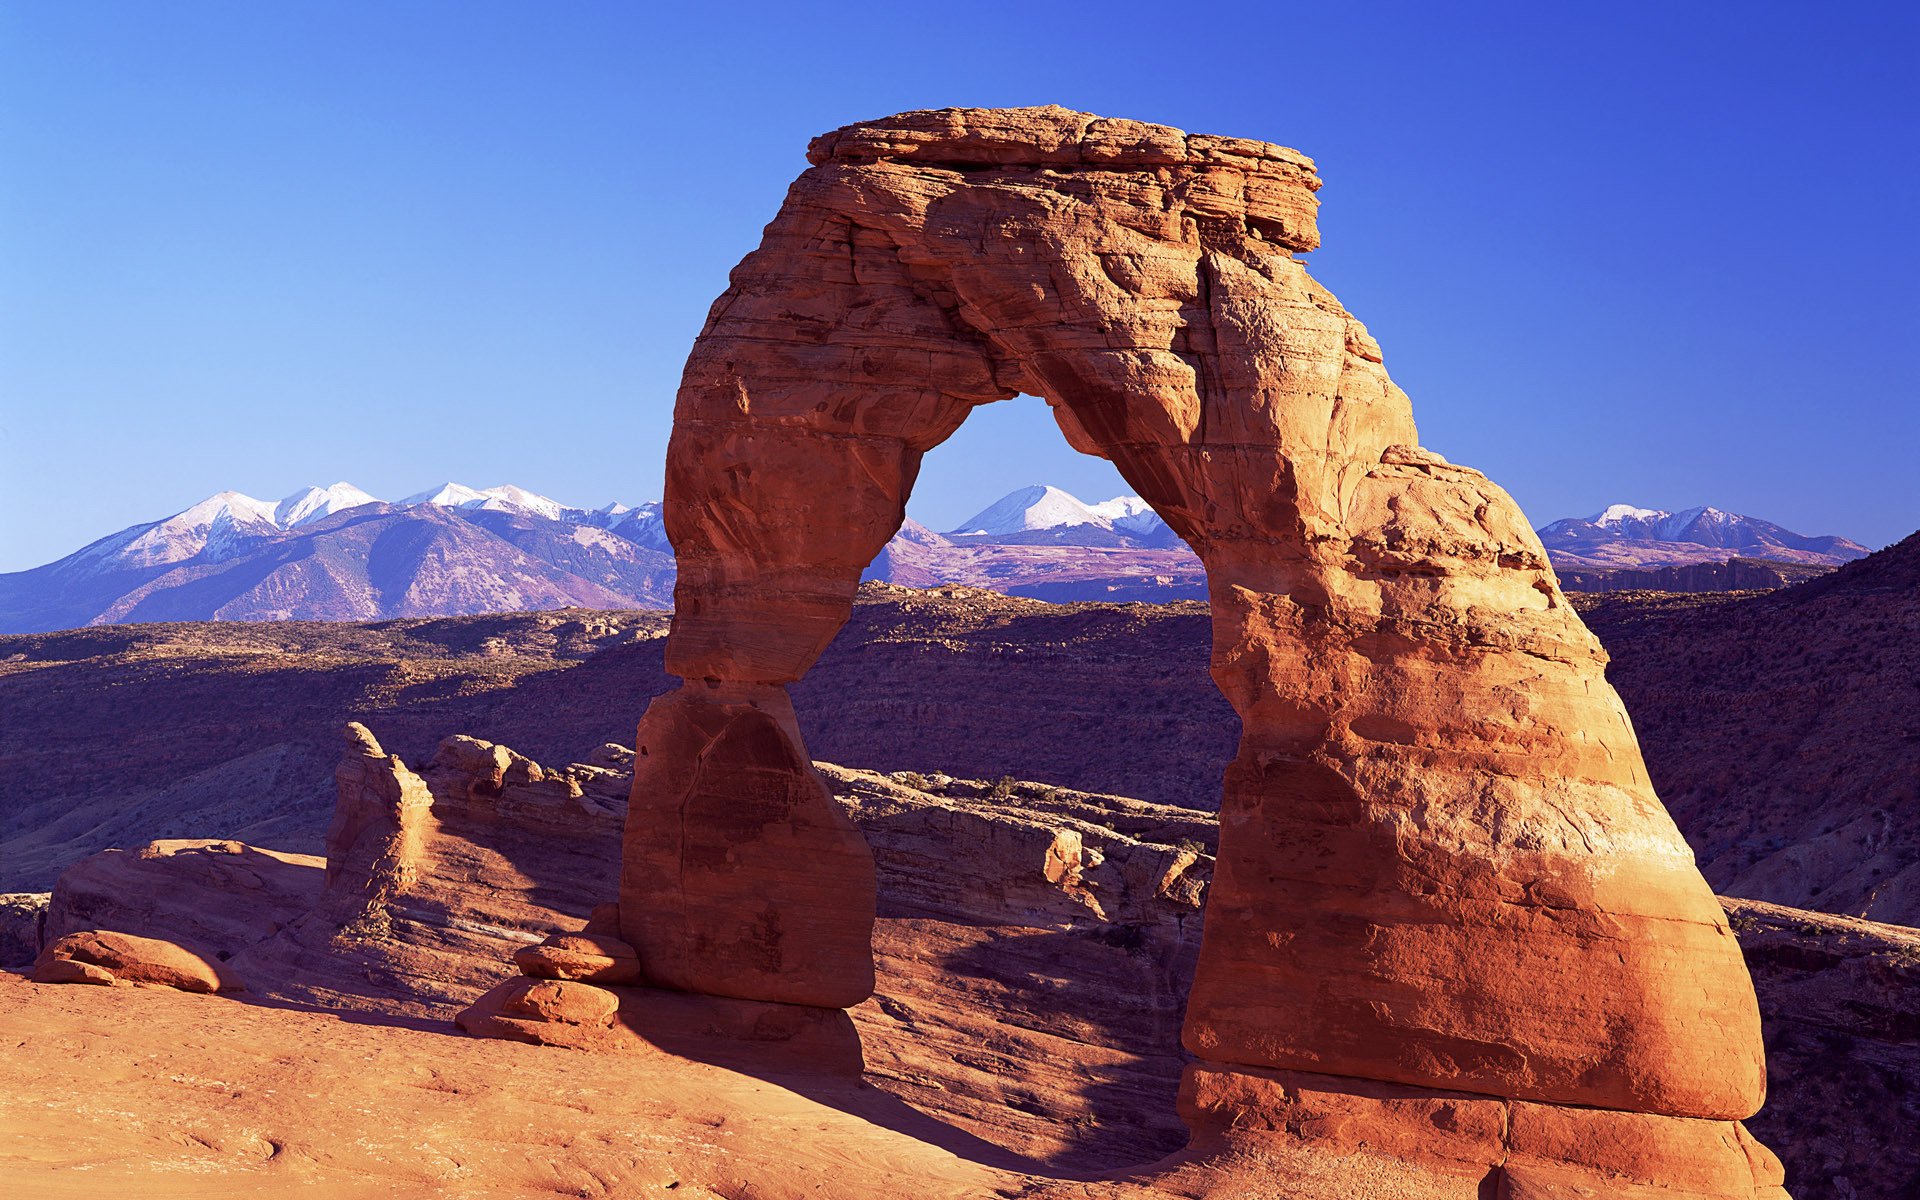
[{"x": 1441, "y": 864}]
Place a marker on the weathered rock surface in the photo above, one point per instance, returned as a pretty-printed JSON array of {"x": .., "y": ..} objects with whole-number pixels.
[
  {"x": 221, "y": 895},
  {"x": 23, "y": 919},
  {"x": 1441, "y": 863},
  {"x": 373, "y": 845},
  {"x": 585, "y": 957},
  {"x": 524, "y": 1009},
  {"x": 103, "y": 957},
  {"x": 741, "y": 875},
  {"x": 1035, "y": 1011},
  {"x": 1033, "y": 943}
]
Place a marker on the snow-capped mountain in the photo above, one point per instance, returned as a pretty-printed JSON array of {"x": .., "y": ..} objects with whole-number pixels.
[
  {"x": 340, "y": 553},
  {"x": 314, "y": 504},
  {"x": 313, "y": 556},
  {"x": 1056, "y": 515},
  {"x": 505, "y": 498},
  {"x": 1624, "y": 535}
]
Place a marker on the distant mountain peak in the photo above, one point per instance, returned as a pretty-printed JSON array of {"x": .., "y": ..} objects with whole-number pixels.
[
  {"x": 316, "y": 503},
  {"x": 1626, "y": 535},
  {"x": 1042, "y": 506},
  {"x": 1615, "y": 514}
]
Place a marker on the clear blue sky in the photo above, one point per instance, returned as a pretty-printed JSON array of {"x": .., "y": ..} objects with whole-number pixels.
[{"x": 1655, "y": 253}]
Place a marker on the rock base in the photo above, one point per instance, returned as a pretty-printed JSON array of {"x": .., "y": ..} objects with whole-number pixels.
[{"x": 1439, "y": 1145}]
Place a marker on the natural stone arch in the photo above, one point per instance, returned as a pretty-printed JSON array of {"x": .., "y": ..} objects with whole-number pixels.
[{"x": 1441, "y": 863}]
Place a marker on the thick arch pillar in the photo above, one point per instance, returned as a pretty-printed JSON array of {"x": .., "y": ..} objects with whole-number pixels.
[{"x": 1442, "y": 864}]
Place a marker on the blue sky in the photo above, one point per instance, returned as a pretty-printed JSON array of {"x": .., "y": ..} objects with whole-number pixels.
[{"x": 1659, "y": 253}]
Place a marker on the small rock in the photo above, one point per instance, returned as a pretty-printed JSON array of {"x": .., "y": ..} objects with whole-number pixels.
[{"x": 592, "y": 958}]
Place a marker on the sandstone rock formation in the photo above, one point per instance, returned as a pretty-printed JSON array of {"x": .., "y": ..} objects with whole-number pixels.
[
  {"x": 373, "y": 846},
  {"x": 1441, "y": 864},
  {"x": 101, "y": 957},
  {"x": 221, "y": 895},
  {"x": 1040, "y": 1018},
  {"x": 584, "y": 957}
]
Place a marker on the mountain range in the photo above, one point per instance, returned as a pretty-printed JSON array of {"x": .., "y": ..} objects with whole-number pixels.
[
  {"x": 1621, "y": 535},
  {"x": 339, "y": 553}
]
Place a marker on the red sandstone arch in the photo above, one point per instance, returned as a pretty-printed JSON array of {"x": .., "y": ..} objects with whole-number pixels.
[{"x": 1442, "y": 864}]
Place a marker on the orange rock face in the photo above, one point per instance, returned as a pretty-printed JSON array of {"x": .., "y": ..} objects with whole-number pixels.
[{"x": 1441, "y": 862}]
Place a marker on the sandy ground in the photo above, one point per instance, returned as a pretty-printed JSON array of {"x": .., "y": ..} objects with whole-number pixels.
[{"x": 149, "y": 1092}]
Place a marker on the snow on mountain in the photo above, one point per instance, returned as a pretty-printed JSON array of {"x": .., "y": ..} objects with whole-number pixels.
[
  {"x": 447, "y": 495},
  {"x": 642, "y": 524},
  {"x": 216, "y": 525},
  {"x": 313, "y": 504},
  {"x": 1129, "y": 514},
  {"x": 1625, "y": 535},
  {"x": 1042, "y": 506},
  {"x": 505, "y": 498},
  {"x": 1037, "y": 507},
  {"x": 1619, "y": 514}
]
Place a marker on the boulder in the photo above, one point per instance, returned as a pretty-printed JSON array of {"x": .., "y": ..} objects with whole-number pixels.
[
  {"x": 544, "y": 1011},
  {"x": 101, "y": 956}
]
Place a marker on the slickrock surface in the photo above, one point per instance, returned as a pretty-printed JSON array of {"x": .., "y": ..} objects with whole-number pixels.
[
  {"x": 222, "y": 895},
  {"x": 1033, "y": 944},
  {"x": 1028, "y": 1007},
  {"x": 1442, "y": 863}
]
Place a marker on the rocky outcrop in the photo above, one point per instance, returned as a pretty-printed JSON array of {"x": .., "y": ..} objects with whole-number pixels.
[
  {"x": 103, "y": 957},
  {"x": 23, "y": 919},
  {"x": 1840, "y": 1002},
  {"x": 435, "y": 879},
  {"x": 1034, "y": 946},
  {"x": 1442, "y": 864},
  {"x": 221, "y": 895},
  {"x": 374, "y": 843}
]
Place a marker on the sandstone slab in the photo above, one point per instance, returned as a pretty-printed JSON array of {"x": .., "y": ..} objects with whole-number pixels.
[
  {"x": 100, "y": 956},
  {"x": 583, "y": 957}
]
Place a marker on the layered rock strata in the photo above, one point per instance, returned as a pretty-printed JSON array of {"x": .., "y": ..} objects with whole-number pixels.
[{"x": 1441, "y": 862}]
